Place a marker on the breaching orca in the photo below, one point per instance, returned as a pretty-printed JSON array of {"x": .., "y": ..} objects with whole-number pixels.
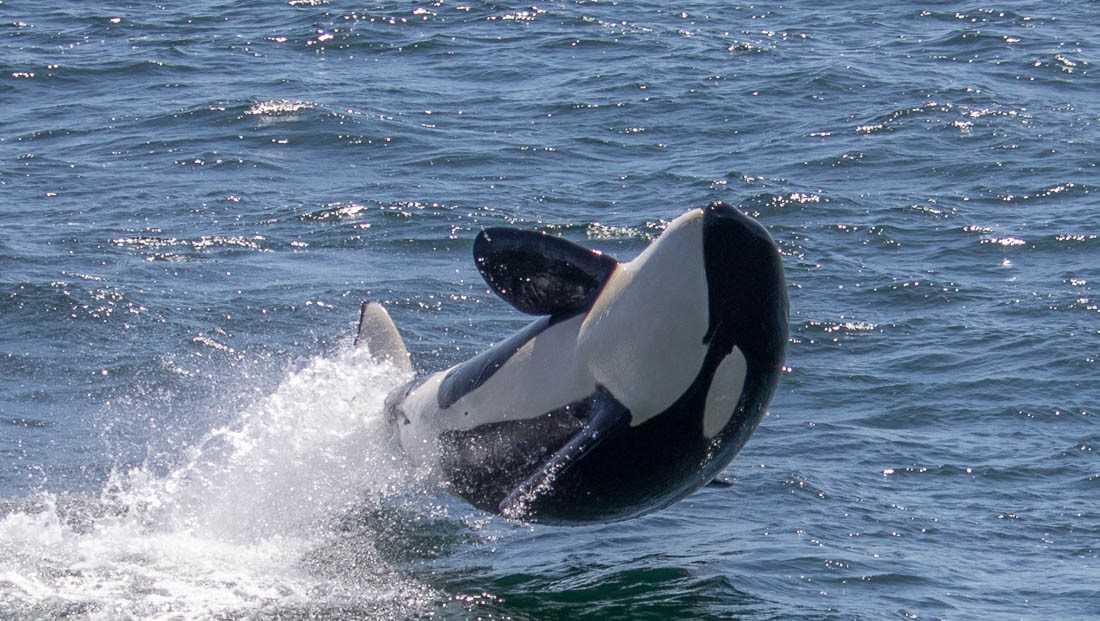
[{"x": 636, "y": 385}]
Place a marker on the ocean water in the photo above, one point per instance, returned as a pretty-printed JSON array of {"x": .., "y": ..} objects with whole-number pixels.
[{"x": 195, "y": 197}]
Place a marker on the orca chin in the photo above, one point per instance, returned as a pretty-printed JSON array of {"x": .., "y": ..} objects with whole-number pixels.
[{"x": 636, "y": 384}]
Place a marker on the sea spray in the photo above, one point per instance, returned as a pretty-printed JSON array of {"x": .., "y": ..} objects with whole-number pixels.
[{"x": 225, "y": 532}]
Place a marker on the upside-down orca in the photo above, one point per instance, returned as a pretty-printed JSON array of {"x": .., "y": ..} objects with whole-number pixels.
[{"x": 636, "y": 385}]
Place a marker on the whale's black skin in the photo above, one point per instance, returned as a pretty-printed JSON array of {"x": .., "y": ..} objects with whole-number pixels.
[
  {"x": 585, "y": 461},
  {"x": 748, "y": 308},
  {"x": 539, "y": 274}
]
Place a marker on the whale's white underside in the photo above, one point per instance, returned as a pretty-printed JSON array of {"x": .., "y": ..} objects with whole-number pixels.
[{"x": 642, "y": 340}]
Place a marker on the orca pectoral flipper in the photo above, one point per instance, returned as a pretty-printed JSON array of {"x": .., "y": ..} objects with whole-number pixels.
[
  {"x": 379, "y": 335},
  {"x": 606, "y": 415},
  {"x": 540, "y": 274}
]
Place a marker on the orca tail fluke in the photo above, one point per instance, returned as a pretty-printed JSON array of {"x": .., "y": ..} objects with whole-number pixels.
[{"x": 379, "y": 335}]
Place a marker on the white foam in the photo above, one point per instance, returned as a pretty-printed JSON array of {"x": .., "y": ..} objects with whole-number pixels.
[
  {"x": 231, "y": 530},
  {"x": 276, "y": 107}
]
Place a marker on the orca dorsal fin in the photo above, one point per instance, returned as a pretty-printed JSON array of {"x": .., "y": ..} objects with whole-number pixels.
[{"x": 540, "y": 274}]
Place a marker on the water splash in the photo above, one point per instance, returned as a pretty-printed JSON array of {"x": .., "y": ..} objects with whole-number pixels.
[{"x": 236, "y": 528}]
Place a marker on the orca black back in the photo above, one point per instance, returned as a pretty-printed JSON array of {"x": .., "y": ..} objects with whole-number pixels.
[{"x": 667, "y": 457}]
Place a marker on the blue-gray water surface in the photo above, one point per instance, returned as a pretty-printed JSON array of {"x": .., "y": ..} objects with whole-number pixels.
[{"x": 195, "y": 197}]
